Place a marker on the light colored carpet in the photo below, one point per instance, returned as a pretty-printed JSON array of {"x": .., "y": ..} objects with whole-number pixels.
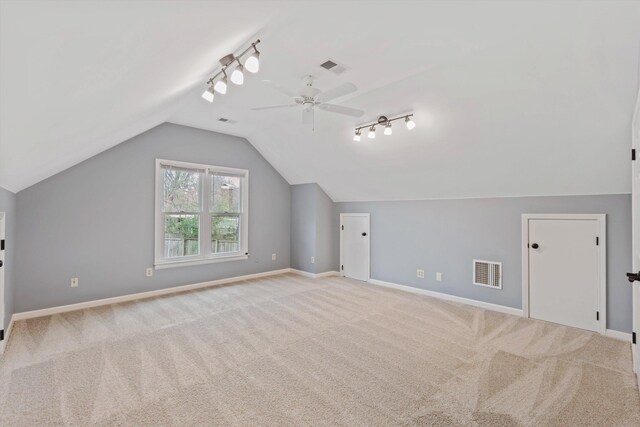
[{"x": 287, "y": 350}]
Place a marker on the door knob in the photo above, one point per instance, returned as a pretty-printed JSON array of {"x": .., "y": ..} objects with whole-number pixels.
[
  {"x": 535, "y": 246},
  {"x": 364, "y": 234},
  {"x": 633, "y": 277}
]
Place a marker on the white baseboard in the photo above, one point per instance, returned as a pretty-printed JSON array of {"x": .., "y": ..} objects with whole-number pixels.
[
  {"x": 315, "y": 275},
  {"x": 141, "y": 295},
  {"x": 624, "y": 336},
  {"x": 440, "y": 295}
]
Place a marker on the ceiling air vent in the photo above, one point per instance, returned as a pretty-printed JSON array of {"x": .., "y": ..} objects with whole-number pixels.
[
  {"x": 333, "y": 66},
  {"x": 487, "y": 273}
]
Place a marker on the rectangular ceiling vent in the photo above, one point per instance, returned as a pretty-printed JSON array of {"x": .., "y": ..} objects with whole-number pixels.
[
  {"x": 333, "y": 66},
  {"x": 487, "y": 273},
  {"x": 229, "y": 121}
]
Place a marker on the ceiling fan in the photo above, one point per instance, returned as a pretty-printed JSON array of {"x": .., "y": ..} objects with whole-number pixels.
[{"x": 309, "y": 97}]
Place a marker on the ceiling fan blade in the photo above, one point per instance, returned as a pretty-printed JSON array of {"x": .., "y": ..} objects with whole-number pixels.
[
  {"x": 273, "y": 107},
  {"x": 307, "y": 116},
  {"x": 354, "y": 112},
  {"x": 337, "y": 92},
  {"x": 281, "y": 89}
]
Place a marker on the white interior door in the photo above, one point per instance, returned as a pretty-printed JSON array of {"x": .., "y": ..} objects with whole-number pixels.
[
  {"x": 2, "y": 269},
  {"x": 354, "y": 246},
  {"x": 564, "y": 272},
  {"x": 635, "y": 200}
]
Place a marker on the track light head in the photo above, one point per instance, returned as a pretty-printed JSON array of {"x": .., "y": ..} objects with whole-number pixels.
[
  {"x": 387, "y": 129},
  {"x": 356, "y": 137},
  {"x": 252, "y": 64},
  {"x": 209, "y": 94},
  {"x": 221, "y": 85},
  {"x": 410, "y": 123},
  {"x": 237, "y": 77},
  {"x": 372, "y": 132}
]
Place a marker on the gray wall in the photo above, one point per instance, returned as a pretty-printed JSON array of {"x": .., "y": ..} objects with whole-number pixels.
[
  {"x": 303, "y": 226},
  {"x": 446, "y": 235},
  {"x": 314, "y": 228},
  {"x": 8, "y": 206},
  {"x": 328, "y": 223},
  {"x": 95, "y": 221}
]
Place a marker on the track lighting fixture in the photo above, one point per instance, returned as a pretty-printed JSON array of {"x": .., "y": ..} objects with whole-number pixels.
[
  {"x": 209, "y": 94},
  {"x": 410, "y": 123},
  {"x": 237, "y": 77},
  {"x": 372, "y": 132},
  {"x": 221, "y": 85},
  {"x": 253, "y": 61},
  {"x": 220, "y": 82},
  {"x": 386, "y": 122}
]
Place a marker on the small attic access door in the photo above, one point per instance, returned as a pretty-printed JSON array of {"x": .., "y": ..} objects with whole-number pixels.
[
  {"x": 564, "y": 269},
  {"x": 354, "y": 246}
]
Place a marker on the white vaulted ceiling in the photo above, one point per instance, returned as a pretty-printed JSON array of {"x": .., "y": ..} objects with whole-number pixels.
[{"x": 520, "y": 98}]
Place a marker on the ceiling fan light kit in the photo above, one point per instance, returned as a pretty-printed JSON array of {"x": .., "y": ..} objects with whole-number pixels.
[
  {"x": 219, "y": 82},
  {"x": 386, "y": 122}
]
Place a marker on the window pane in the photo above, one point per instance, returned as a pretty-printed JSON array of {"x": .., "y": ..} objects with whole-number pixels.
[
  {"x": 181, "y": 190},
  {"x": 225, "y": 193},
  {"x": 225, "y": 233},
  {"x": 181, "y": 235}
]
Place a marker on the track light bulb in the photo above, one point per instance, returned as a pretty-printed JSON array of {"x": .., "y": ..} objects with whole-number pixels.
[
  {"x": 410, "y": 123},
  {"x": 208, "y": 94},
  {"x": 252, "y": 64},
  {"x": 356, "y": 137},
  {"x": 387, "y": 129},
  {"x": 237, "y": 77},
  {"x": 372, "y": 132},
  {"x": 221, "y": 85}
]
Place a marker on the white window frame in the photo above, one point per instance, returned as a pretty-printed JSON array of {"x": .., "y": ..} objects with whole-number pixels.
[{"x": 204, "y": 233}]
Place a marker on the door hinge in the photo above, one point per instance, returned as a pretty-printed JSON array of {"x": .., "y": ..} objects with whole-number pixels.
[
  {"x": 342, "y": 267},
  {"x": 597, "y": 241},
  {"x": 2, "y": 245},
  {"x": 342, "y": 227},
  {"x": 633, "y": 337},
  {"x": 598, "y": 316},
  {"x": 1, "y": 334},
  {"x": 633, "y": 154}
]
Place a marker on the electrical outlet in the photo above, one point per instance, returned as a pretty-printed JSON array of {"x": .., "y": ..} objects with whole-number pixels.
[
  {"x": 313, "y": 260},
  {"x": 420, "y": 274},
  {"x": 149, "y": 272},
  {"x": 439, "y": 276},
  {"x": 74, "y": 282},
  {"x": 273, "y": 257}
]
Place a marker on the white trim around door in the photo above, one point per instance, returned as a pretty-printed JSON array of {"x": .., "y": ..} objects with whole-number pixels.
[
  {"x": 368, "y": 231},
  {"x": 602, "y": 260}
]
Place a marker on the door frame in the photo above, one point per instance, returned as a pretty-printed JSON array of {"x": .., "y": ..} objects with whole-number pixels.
[
  {"x": 368, "y": 216},
  {"x": 635, "y": 225},
  {"x": 602, "y": 260},
  {"x": 3, "y": 235}
]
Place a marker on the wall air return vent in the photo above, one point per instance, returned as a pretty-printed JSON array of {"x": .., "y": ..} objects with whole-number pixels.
[
  {"x": 333, "y": 66},
  {"x": 487, "y": 273}
]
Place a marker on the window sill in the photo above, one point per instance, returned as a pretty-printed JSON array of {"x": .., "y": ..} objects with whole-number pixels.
[{"x": 201, "y": 261}]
